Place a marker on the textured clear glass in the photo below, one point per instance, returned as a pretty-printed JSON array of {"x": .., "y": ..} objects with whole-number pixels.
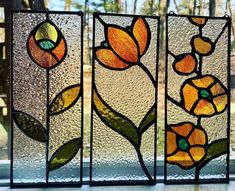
[
  {"x": 211, "y": 55},
  {"x": 129, "y": 92},
  {"x": 29, "y": 95},
  {"x": 67, "y": 125},
  {"x": 33, "y": 92}
]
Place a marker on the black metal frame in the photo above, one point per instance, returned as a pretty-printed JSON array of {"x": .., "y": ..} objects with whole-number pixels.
[
  {"x": 201, "y": 181},
  {"x": 122, "y": 182},
  {"x": 47, "y": 184}
]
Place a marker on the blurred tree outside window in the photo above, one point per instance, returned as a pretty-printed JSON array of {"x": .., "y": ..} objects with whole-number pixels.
[{"x": 145, "y": 7}]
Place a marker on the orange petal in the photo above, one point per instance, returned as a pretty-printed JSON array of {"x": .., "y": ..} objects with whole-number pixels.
[
  {"x": 197, "y": 137},
  {"x": 204, "y": 108},
  {"x": 217, "y": 89},
  {"x": 220, "y": 102},
  {"x": 140, "y": 32},
  {"x": 190, "y": 95},
  {"x": 123, "y": 44},
  {"x": 202, "y": 45},
  {"x": 171, "y": 142},
  {"x": 186, "y": 65},
  {"x": 203, "y": 82},
  {"x": 59, "y": 51},
  {"x": 198, "y": 21},
  {"x": 41, "y": 57},
  {"x": 181, "y": 158},
  {"x": 197, "y": 153},
  {"x": 108, "y": 58},
  {"x": 183, "y": 129}
]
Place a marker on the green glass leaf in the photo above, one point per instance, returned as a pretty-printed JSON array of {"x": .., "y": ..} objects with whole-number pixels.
[
  {"x": 115, "y": 120},
  {"x": 46, "y": 44},
  {"x": 214, "y": 150},
  {"x": 148, "y": 120},
  {"x": 64, "y": 154},
  {"x": 65, "y": 99},
  {"x": 30, "y": 126}
]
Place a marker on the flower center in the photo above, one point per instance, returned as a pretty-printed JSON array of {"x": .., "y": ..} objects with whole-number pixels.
[
  {"x": 204, "y": 93},
  {"x": 46, "y": 44},
  {"x": 183, "y": 144}
]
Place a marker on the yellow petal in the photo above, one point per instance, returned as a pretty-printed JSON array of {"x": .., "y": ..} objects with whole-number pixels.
[
  {"x": 108, "y": 58},
  {"x": 140, "y": 32},
  {"x": 217, "y": 89},
  {"x": 171, "y": 142},
  {"x": 202, "y": 45},
  {"x": 220, "y": 102},
  {"x": 46, "y": 31},
  {"x": 197, "y": 137},
  {"x": 197, "y": 153},
  {"x": 190, "y": 96},
  {"x": 123, "y": 44},
  {"x": 183, "y": 129},
  {"x": 198, "y": 21},
  {"x": 203, "y": 82},
  {"x": 181, "y": 158},
  {"x": 204, "y": 108}
]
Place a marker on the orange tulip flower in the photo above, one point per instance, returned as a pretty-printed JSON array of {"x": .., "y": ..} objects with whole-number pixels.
[
  {"x": 124, "y": 48},
  {"x": 186, "y": 144},
  {"x": 204, "y": 96},
  {"x": 46, "y": 45}
]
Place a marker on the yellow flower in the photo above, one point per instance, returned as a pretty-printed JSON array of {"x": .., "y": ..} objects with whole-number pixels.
[
  {"x": 204, "y": 96},
  {"x": 186, "y": 144}
]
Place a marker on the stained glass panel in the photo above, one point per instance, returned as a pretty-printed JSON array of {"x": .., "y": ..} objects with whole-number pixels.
[
  {"x": 197, "y": 106},
  {"x": 124, "y": 99},
  {"x": 46, "y": 98}
]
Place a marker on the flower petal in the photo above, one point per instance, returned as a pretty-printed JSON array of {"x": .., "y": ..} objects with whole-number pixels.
[
  {"x": 123, "y": 44},
  {"x": 197, "y": 137},
  {"x": 203, "y": 82},
  {"x": 202, "y": 45},
  {"x": 190, "y": 96},
  {"x": 198, "y": 21},
  {"x": 171, "y": 142},
  {"x": 181, "y": 158},
  {"x": 183, "y": 129},
  {"x": 204, "y": 108},
  {"x": 140, "y": 32},
  {"x": 186, "y": 65},
  {"x": 220, "y": 102},
  {"x": 60, "y": 50},
  {"x": 46, "y": 31},
  {"x": 217, "y": 89},
  {"x": 42, "y": 58},
  {"x": 108, "y": 58},
  {"x": 197, "y": 153}
]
